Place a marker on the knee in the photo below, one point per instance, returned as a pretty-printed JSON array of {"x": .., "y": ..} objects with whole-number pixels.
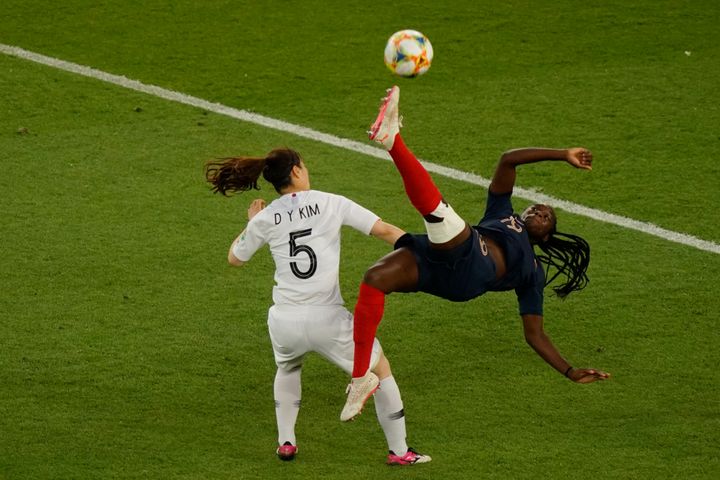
[
  {"x": 375, "y": 277},
  {"x": 396, "y": 272},
  {"x": 382, "y": 276}
]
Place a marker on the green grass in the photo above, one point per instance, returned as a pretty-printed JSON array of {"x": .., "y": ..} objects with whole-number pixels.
[{"x": 131, "y": 350}]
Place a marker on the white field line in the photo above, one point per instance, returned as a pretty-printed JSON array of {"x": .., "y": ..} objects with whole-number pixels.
[{"x": 354, "y": 146}]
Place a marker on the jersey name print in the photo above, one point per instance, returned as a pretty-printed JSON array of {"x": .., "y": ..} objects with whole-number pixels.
[
  {"x": 306, "y": 211},
  {"x": 302, "y": 230}
]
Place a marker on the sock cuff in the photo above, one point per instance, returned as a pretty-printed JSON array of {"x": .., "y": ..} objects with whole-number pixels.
[
  {"x": 370, "y": 294},
  {"x": 398, "y": 145}
]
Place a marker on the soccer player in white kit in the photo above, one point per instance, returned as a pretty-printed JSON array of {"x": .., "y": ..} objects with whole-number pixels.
[{"x": 302, "y": 230}]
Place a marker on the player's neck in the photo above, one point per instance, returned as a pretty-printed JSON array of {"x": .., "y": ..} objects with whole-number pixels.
[{"x": 294, "y": 189}]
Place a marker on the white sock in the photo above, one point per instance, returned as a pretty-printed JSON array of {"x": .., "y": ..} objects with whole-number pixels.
[
  {"x": 390, "y": 413},
  {"x": 287, "y": 389},
  {"x": 448, "y": 227}
]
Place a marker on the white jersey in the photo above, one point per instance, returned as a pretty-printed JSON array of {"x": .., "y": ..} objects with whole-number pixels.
[{"x": 302, "y": 230}]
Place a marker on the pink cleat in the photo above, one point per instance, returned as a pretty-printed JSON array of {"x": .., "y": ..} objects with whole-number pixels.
[
  {"x": 286, "y": 451},
  {"x": 387, "y": 124},
  {"x": 411, "y": 457}
]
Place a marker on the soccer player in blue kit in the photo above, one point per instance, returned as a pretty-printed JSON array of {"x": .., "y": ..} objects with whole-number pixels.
[{"x": 458, "y": 262}]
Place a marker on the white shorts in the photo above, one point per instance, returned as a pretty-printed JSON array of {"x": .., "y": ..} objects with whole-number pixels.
[{"x": 327, "y": 330}]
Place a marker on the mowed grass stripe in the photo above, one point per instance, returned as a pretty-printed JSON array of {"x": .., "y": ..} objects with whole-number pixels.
[{"x": 524, "y": 193}]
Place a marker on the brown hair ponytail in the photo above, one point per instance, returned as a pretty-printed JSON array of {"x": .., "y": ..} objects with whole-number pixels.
[
  {"x": 234, "y": 174},
  {"x": 239, "y": 174}
]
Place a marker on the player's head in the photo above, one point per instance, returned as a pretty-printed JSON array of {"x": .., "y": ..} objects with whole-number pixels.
[
  {"x": 281, "y": 167},
  {"x": 540, "y": 222},
  {"x": 284, "y": 168}
]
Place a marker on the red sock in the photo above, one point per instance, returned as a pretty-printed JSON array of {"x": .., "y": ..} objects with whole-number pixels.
[
  {"x": 420, "y": 189},
  {"x": 368, "y": 313}
]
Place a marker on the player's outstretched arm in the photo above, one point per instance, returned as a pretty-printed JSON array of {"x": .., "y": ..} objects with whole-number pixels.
[
  {"x": 232, "y": 259},
  {"x": 386, "y": 232},
  {"x": 503, "y": 179},
  {"x": 541, "y": 343}
]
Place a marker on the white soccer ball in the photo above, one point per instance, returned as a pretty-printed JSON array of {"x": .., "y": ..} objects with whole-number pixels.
[{"x": 408, "y": 53}]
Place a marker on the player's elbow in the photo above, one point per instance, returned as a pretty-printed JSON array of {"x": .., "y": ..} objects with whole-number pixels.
[
  {"x": 508, "y": 158},
  {"x": 536, "y": 339},
  {"x": 531, "y": 338},
  {"x": 234, "y": 261},
  {"x": 533, "y": 334}
]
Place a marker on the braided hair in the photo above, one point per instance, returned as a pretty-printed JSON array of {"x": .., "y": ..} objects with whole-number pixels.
[
  {"x": 240, "y": 174},
  {"x": 568, "y": 255}
]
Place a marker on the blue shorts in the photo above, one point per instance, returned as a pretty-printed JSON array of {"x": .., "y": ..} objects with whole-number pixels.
[{"x": 459, "y": 274}]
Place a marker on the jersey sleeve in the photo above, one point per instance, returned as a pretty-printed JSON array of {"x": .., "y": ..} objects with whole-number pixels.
[
  {"x": 498, "y": 206},
  {"x": 250, "y": 241},
  {"x": 530, "y": 296},
  {"x": 356, "y": 216}
]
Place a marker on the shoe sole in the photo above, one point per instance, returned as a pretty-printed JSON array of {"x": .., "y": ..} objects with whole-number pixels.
[
  {"x": 403, "y": 464},
  {"x": 381, "y": 115}
]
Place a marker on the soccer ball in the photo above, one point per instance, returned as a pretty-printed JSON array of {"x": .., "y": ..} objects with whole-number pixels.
[{"x": 408, "y": 53}]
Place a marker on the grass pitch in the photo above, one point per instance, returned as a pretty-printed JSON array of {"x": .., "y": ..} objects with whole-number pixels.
[{"x": 131, "y": 350}]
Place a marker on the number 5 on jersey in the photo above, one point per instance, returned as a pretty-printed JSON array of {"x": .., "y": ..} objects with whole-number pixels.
[{"x": 296, "y": 249}]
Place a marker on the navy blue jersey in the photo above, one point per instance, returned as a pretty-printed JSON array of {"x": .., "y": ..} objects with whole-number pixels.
[
  {"x": 467, "y": 271},
  {"x": 524, "y": 271}
]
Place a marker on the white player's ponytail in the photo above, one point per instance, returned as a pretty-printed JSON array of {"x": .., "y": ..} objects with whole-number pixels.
[{"x": 239, "y": 174}]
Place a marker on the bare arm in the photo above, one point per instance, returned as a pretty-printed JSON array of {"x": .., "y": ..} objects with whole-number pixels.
[
  {"x": 255, "y": 207},
  {"x": 503, "y": 180},
  {"x": 232, "y": 259},
  {"x": 386, "y": 232},
  {"x": 535, "y": 337}
]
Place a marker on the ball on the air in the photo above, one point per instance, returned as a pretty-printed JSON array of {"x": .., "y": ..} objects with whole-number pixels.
[{"x": 408, "y": 53}]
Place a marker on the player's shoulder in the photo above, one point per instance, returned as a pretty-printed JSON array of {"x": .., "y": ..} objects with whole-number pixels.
[
  {"x": 498, "y": 205},
  {"x": 326, "y": 195},
  {"x": 333, "y": 201}
]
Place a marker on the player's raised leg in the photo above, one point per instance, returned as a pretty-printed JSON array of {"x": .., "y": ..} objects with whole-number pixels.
[
  {"x": 420, "y": 189},
  {"x": 441, "y": 221}
]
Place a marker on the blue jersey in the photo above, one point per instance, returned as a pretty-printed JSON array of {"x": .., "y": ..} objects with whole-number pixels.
[
  {"x": 524, "y": 271},
  {"x": 467, "y": 271}
]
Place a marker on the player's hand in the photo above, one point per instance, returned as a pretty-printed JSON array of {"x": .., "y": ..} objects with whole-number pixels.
[
  {"x": 580, "y": 158},
  {"x": 255, "y": 207},
  {"x": 587, "y": 375}
]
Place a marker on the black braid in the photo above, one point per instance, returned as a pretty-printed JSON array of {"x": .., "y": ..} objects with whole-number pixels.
[{"x": 569, "y": 255}]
